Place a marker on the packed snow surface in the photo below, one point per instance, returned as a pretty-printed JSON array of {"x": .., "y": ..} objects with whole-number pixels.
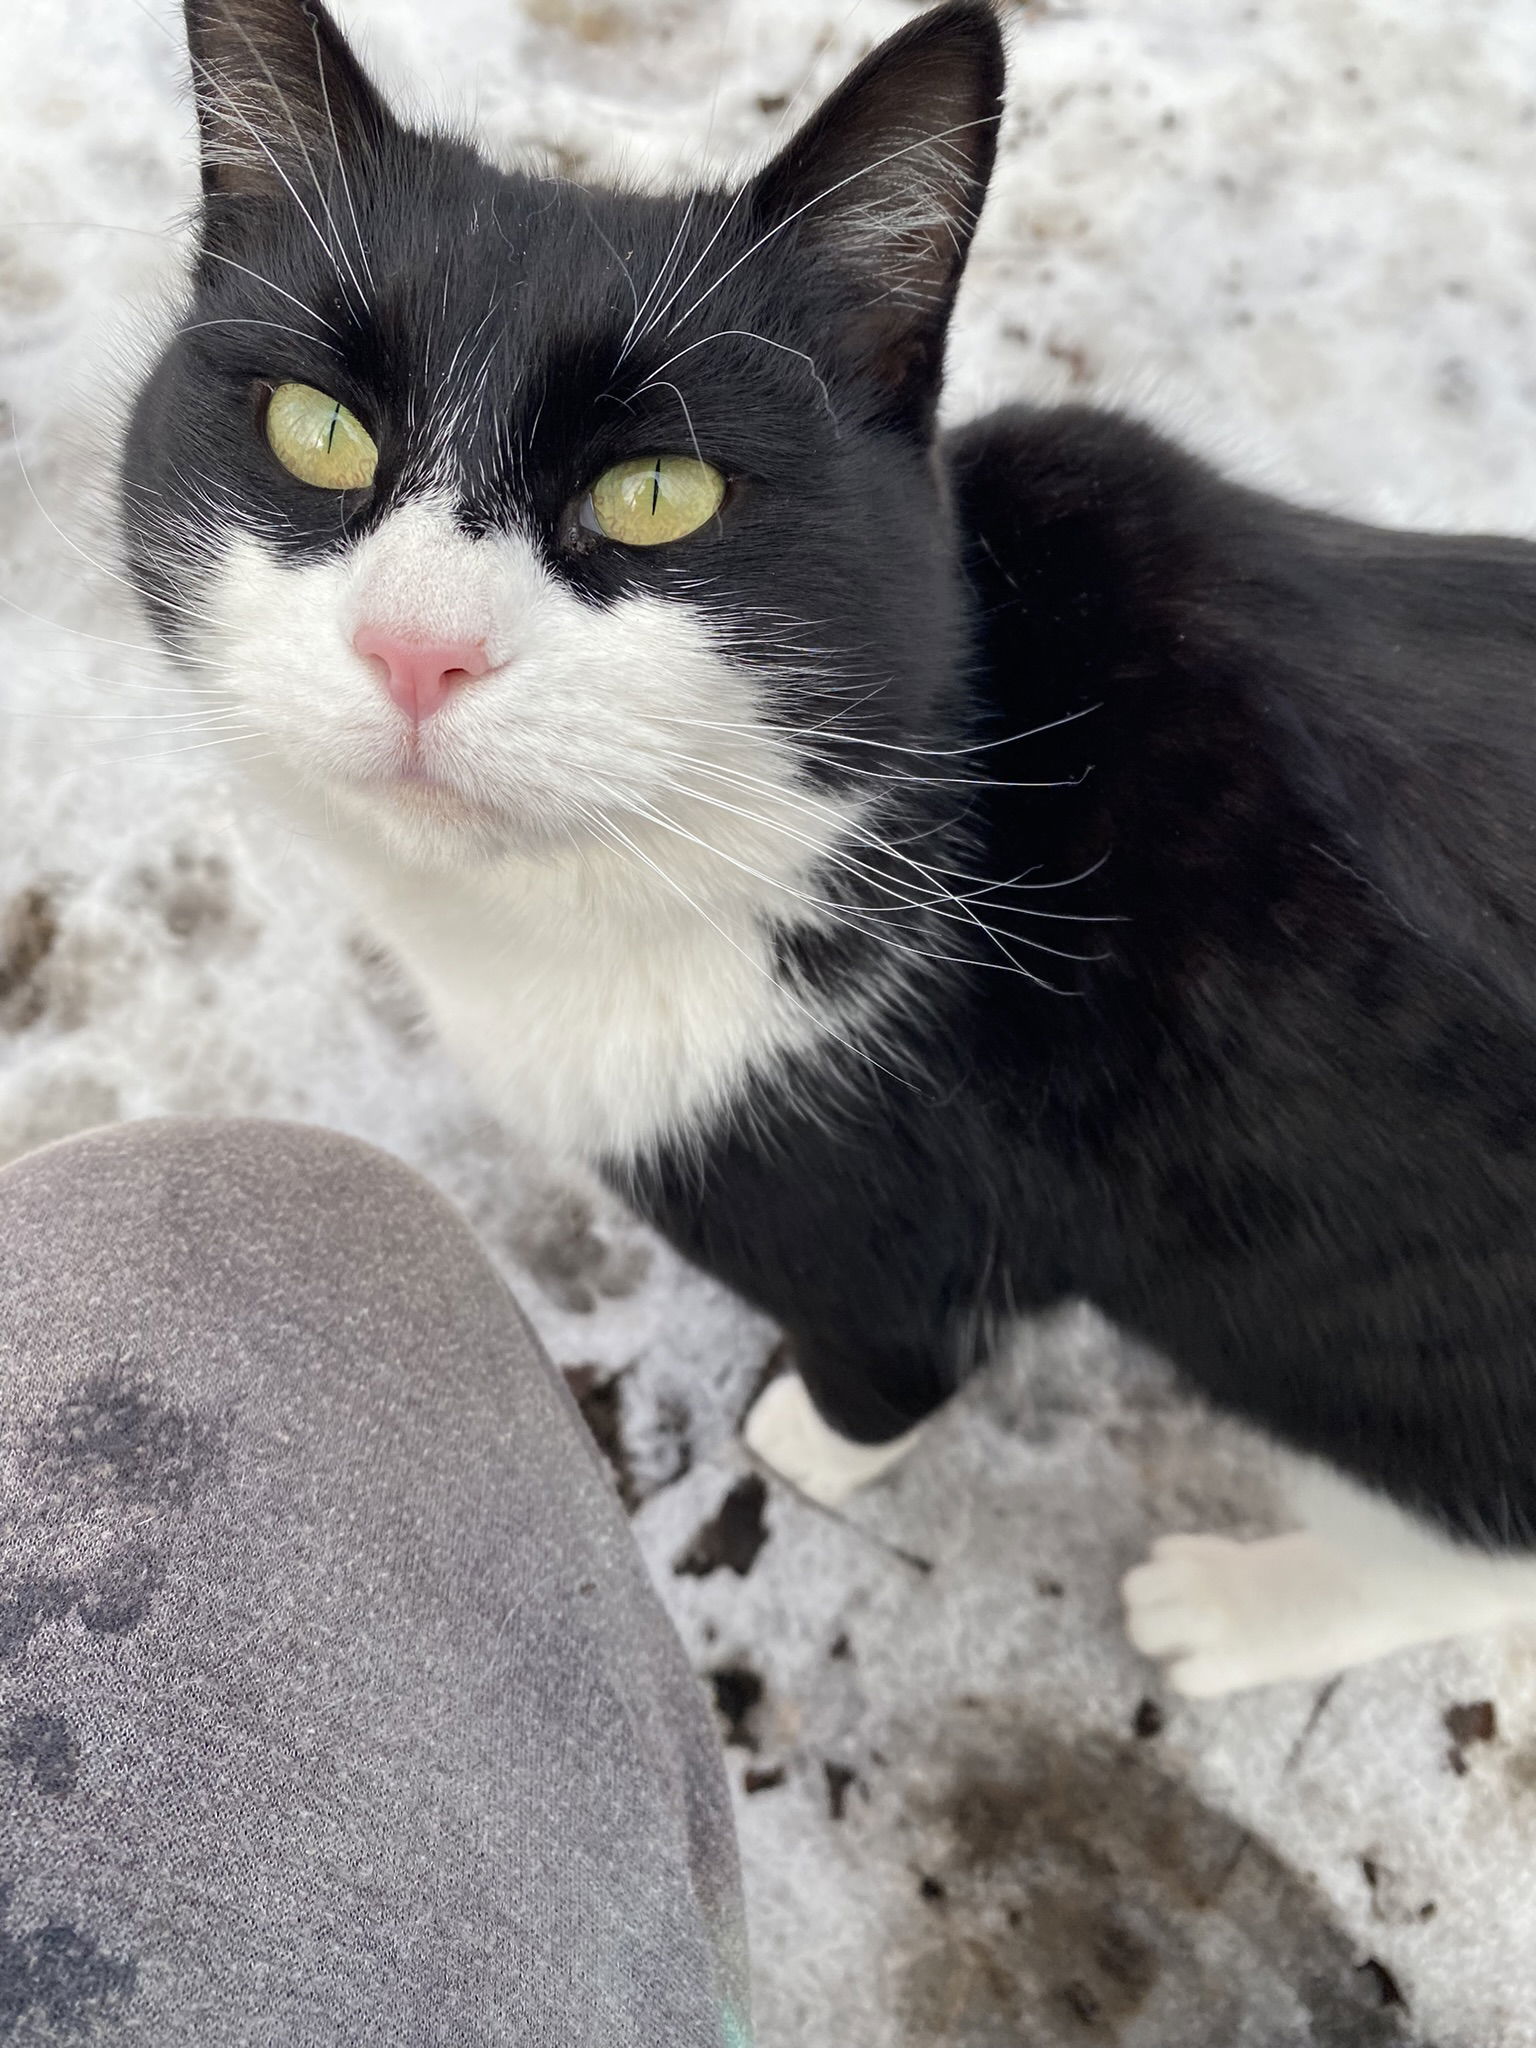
[{"x": 1300, "y": 233}]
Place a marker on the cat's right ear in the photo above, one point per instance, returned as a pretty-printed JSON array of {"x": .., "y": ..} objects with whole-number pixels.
[{"x": 282, "y": 103}]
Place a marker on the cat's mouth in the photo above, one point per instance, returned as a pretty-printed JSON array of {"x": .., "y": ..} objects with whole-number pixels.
[
  {"x": 421, "y": 790},
  {"x": 431, "y": 805},
  {"x": 413, "y": 785},
  {"x": 415, "y": 772}
]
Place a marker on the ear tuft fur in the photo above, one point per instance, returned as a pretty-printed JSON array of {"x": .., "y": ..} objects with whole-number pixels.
[
  {"x": 887, "y": 180},
  {"x": 281, "y": 100}
]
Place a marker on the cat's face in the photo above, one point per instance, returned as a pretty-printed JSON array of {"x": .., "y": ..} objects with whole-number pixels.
[{"x": 514, "y": 516}]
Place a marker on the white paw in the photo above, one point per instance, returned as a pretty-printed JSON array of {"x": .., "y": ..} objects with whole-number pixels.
[
  {"x": 1224, "y": 1616},
  {"x": 785, "y": 1433}
]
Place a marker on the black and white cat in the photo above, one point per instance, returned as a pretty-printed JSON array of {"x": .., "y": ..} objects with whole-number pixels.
[{"x": 932, "y": 878}]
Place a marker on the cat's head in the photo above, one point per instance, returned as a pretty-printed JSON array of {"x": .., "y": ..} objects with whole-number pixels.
[{"x": 514, "y": 515}]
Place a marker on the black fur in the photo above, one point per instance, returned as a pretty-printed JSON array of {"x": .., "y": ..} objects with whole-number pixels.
[
  {"x": 1286, "y": 1127},
  {"x": 1262, "y": 782}
]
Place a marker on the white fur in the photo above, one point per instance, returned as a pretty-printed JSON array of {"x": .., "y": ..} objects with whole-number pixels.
[
  {"x": 786, "y": 1434},
  {"x": 1362, "y": 1579},
  {"x": 585, "y": 887}
]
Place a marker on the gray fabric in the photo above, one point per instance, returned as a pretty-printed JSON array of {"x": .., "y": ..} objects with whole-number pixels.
[{"x": 337, "y": 1705}]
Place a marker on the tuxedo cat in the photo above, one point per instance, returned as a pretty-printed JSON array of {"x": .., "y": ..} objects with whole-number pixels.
[{"x": 931, "y": 877}]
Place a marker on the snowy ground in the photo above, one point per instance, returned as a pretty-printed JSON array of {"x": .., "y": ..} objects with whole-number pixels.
[{"x": 1304, "y": 233}]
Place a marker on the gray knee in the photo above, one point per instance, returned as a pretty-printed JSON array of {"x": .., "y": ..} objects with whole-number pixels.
[
  {"x": 178, "y": 1191},
  {"x": 141, "y": 1236}
]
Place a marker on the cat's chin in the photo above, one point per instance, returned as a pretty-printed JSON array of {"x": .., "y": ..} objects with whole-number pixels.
[{"x": 427, "y": 823}]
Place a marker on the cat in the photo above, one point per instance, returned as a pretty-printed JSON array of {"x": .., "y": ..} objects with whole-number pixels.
[{"x": 931, "y": 876}]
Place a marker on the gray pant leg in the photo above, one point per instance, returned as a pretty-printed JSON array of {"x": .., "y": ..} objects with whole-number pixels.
[{"x": 336, "y": 1705}]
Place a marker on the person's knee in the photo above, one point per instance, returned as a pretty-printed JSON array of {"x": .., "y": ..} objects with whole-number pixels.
[
  {"x": 236, "y": 1194},
  {"x": 245, "y": 1257}
]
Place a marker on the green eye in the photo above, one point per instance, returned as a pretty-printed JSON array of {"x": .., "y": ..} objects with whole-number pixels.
[
  {"x": 653, "y": 498},
  {"x": 317, "y": 440}
]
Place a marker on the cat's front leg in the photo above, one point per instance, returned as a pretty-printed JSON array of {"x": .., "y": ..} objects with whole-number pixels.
[
  {"x": 785, "y": 1431},
  {"x": 846, "y": 1416},
  {"x": 1360, "y": 1580}
]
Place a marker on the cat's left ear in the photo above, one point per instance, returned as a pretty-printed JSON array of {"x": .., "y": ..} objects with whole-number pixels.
[
  {"x": 282, "y": 103},
  {"x": 886, "y": 181}
]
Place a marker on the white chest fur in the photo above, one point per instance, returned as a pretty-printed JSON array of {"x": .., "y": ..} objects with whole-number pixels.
[{"x": 594, "y": 1015}]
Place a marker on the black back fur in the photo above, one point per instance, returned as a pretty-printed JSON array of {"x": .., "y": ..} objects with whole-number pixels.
[{"x": 1286, "y": 1126}]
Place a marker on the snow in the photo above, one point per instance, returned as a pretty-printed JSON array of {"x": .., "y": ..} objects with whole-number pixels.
[{"x": 1301, "y": 233}]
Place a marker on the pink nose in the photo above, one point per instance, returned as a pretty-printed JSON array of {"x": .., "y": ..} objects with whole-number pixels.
[{"x": 420, "y": 675}]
